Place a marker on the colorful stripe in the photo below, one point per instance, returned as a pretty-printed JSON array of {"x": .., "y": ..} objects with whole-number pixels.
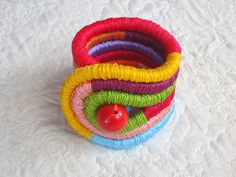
[
  {"x": 131, "y": 142},
  {"x": 145, "y": 27},
  {"x": 126, "y": 45},
  {"x": 128, "y": 55},
  {"x": 129, "y": 36},
  {"x": 78, "y": 106},
  {"x": 135, "y": 88},
  {"x": 81, "y": 93},
  {"x": 95, "y": 100}
]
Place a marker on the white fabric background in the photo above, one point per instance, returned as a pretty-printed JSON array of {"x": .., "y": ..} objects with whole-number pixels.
[{"x": 35, "y": 57}]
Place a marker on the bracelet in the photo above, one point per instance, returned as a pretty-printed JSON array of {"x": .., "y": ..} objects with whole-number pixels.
[{"x": 124, "y": 66}]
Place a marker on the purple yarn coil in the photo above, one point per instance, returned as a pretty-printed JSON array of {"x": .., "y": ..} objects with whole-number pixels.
[
  {"x": 131, "y": 87},
  {"x": 145, "y": 40},
  {"x": 127, "y": 45}
]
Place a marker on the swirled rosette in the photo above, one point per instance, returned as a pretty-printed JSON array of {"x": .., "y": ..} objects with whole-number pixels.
[{"x": 121, "y": 61}]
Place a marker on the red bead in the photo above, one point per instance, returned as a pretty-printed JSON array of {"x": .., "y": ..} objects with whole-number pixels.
[{"x": 112, "y": 118}]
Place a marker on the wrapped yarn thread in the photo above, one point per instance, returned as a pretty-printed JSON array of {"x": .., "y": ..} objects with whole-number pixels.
[{"x": 123, "y": 65}]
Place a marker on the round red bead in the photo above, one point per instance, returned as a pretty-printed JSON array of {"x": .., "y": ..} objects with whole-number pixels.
[{"x": 112, "y": 118}]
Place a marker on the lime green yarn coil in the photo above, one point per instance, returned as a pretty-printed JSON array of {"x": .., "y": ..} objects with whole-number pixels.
[
  {"x": 95, "y": 100},
  {"x": 135, "y": 121}
]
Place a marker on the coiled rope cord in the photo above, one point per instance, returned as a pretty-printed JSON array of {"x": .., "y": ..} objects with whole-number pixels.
[
  {"x": 92, "y": 70},
  {"x": 129, "y": 36},
  {"x": 126, "y": 45},
  {"x": 153, "y": 114},
  {"x": 125, "y": 55},
  {"x": 145, "y": 27},
  {"x": 95, "y": 100}
]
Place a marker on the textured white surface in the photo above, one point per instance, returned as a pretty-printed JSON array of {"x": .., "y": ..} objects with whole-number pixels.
[{"x": 35, "y": 57}]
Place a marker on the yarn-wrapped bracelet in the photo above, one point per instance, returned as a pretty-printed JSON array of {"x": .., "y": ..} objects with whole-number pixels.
[{"x": 122, "y": 90}]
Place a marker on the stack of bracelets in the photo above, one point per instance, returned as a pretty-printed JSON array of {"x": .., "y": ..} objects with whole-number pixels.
[{"x": 122, "y": 90}]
